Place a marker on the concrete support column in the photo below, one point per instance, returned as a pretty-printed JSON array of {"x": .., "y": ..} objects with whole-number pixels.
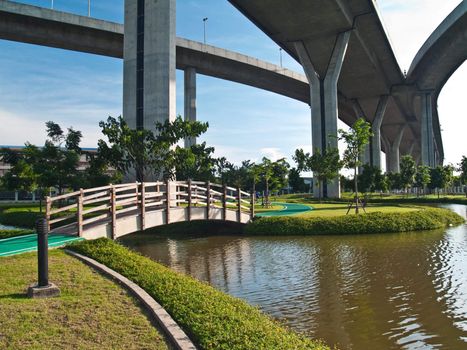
[
  {"x": 427, "y": 137},
  {"x": 412, "y": 146},
  {"x": 376, "y": 129},
  {"x": 394, "y": 155},
  {"x": 324, "y": 103},
  {"x": 190, "y": 101},
  {"x": 149, "y": 63}
]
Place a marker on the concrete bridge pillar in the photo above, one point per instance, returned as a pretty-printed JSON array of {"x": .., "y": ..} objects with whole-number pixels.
[
  {"x": 190, "y": 101},
  {"x": 427, "y": 136},
  {"x": 394, "y": 154},
  {"x": 376, "y": 129},
  {"x": 149, "y": 63},
  {"x": 323, "y": 101}
]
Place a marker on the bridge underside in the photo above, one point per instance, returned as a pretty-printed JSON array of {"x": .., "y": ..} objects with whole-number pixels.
[{"x": 127, "y": 224}]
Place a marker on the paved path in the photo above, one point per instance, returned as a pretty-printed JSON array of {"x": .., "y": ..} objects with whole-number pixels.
[
  {"x": 28, "y": 243},
  {"x": 288, "y": 209}
]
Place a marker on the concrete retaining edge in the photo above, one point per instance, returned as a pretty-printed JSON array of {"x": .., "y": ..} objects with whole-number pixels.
[{"x": 175, "y": 334}]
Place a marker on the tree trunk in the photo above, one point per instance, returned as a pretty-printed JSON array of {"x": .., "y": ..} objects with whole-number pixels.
[
  {"x": 267, "y": 193},
  {"x": 356, "y": 190}
]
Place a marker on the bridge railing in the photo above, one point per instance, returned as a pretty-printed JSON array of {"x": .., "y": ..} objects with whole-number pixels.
[{"x": 72, "y": 212}]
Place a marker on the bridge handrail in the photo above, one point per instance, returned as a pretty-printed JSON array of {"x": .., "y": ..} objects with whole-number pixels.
[{"x": 90, "y": 205}]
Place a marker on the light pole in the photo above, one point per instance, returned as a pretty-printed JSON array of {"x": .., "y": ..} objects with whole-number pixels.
[
  {"x": 89, "y": 8},
  {"x": 280, "y": 55},
  {"x": 204, "y": 25}
]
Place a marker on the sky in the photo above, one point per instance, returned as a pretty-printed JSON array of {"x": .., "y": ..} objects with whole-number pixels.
[{"x": 38, "y": 84}]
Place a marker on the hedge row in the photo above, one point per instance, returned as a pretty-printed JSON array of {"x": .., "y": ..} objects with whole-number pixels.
[
  {"x": 212, "y": 319},
  {"x": 19, "y": 217},
  {"x": 13, "y": 233},
  {"x": 424, "y": 219}
]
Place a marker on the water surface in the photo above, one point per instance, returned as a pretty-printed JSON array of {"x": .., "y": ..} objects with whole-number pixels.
[{"x": 392, "y": 291}]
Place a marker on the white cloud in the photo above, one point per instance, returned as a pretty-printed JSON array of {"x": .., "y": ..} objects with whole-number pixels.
[{"x": 272, "y": 153}]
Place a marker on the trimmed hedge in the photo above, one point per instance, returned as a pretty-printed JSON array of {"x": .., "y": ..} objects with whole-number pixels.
[
  {"x": 212, "y": 319},
  {"x": 424, "y": 219},
  {"x": 19, "y": 217},
  {"x": 13, "y": 233}
]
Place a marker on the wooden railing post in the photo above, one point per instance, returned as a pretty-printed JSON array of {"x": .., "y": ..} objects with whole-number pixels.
[
  {"x": 143, "y": 206},
  {"x": 113, "y": 211},
  {"x": 79, "y": 213},
  {"x": 224, "y": 202},
  {"x": 189, "y": 199},
  {"x": 48, "y": 208},
  {"x": 252, "y": 205},
  {"x": 167, "y": 204},
  {"x": 208, "y": 199},
  {"x": 239, "y": 204}
]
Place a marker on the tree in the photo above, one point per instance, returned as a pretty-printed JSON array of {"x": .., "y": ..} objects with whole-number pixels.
[
  {"x": 195, "y": 162},
  {"x": 422, "y": 178},
  {"x": 368, "y": 177},
  {"x": 407, "y": 172},
  {"x": 296, "y": 182},
  {"x": 325, "y": 166},
  {"x": 150, "y": 155},
  {"x": 463, "y": 175},
  {"x": 53, "y": 165},
  {"x": 21, "y": 175},
  {"x": 356, "y": 139},
  {"x": 441, "y": 177}
]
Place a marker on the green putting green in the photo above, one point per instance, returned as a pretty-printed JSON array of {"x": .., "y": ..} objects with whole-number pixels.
[
  {"x": 28, "y": 243},
  {"x": 288, "y": 209}
]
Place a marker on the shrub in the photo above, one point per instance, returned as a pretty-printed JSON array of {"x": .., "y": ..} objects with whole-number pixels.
[
  {"x": 212, "y": 319},
  {"x": 13, "y": 233},
  {"x": 425, "y": 219}
]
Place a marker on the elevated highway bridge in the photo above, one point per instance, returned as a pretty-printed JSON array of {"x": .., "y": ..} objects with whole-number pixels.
[{"x": 350, "y": 67}]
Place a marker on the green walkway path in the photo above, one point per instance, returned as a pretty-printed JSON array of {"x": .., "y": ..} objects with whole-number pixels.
[
  {"x": 288, "y": 209},
  {"x": 28, "y": 243}
]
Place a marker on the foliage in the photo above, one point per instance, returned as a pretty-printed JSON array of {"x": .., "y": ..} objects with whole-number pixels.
[
  {"x": 463, "y": 170},
  {"x": 425, "y": 219},
  {"x": 441, "y": 177},
  {"x": 274, "y": 176},
  {"x": 296, "y": 181},
  {"x": 368, "y": 179},
  {"x": 422, "y": 177},
  {"x": 394, "y": 181},
  {"x": 151, "y": 155},
  {"x": 325, "y": 166},
  {"x": 356, "y": 139},
  {"x": 407, "y": 171},
  {"x": 20, "y": 217},
  {"x": 195, "y": 163},
  {"x": 212, "y": 319},
  {"x": 14, "y": 233}
]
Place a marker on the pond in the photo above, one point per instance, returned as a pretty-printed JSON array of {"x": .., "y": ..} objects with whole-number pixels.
[{"x": 392, "y": 291}]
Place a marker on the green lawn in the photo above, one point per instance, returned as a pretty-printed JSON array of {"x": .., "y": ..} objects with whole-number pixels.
[
  {"x": 91, "y": 313},
  {"x": 338, "y": 209}
]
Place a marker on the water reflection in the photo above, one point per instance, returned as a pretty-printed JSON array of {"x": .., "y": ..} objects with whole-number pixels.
[{"x": 397, "y": 291}]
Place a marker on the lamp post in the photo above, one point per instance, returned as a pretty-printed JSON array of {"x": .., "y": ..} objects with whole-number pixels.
[
  {"x": 89, "y": 8},
  {"x": 204, "y": 26}
]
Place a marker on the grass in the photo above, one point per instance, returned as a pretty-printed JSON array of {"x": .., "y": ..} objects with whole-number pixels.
[
  {"x": 19, "y": 216},
  {"x": 91, "y": 313},
  {"x": 338, "y": 209},
  {"x": 377, "y": 222},
  {"x": 14, "y": 233},
  {"x": 212, "y": 319}
]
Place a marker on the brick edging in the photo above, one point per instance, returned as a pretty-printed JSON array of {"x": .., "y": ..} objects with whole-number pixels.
[{"x": 175, "y": 334}]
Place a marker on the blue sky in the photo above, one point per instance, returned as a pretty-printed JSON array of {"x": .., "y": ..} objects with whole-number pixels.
[{"x": 74, "y": 89}]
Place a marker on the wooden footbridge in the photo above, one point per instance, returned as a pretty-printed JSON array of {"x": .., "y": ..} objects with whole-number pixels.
[{"x": 117, "y": 210}]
